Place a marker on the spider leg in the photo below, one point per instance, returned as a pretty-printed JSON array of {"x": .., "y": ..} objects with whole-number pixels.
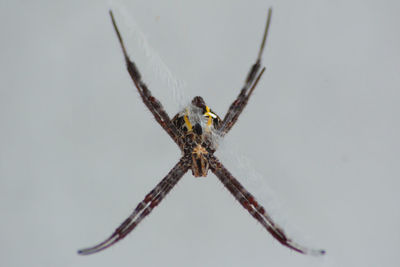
[
  {"x": 248, "y": 202},
  {"x": 150, "y": 101},
  {"x": 144, "y": 208},
  {"x": 253, "y": 77}
]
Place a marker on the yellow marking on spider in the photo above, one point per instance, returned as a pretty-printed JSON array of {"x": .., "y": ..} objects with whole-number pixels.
[
  {"x": 210, "y": 115},
  {"x": 187, "y": 122}
]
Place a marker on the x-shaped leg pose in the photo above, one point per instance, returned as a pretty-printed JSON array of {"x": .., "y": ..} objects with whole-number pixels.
[{"x": 196, "y": 130}]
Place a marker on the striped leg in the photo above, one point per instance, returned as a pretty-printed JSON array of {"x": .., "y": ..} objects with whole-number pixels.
[
  {"x": 150, "y": 101},
  {"x": 253, "y": 77},
  {"x": 256, "y": 210},
  {"x": 144, "y": 208}
]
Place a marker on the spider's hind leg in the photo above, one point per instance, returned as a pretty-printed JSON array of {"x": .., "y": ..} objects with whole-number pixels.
[
  {"x": 152, "y": 103},
  {"x": 252, "y": 78}
]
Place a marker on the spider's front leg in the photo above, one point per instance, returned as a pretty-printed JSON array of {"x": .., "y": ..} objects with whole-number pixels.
[
  {"x": 150, "y": 101},
  {"x": 252, "y": 79},
  {"x": 144, "y": 208},
  {"x": 248, "y": 202}
]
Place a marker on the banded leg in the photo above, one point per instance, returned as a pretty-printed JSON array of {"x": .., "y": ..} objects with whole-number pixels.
[
  {"x": 144, "y": 208},
  {"x": 150, "y": 101},
  {"x": 256, "y": 210},
  {"x": 253, "y": 77}
]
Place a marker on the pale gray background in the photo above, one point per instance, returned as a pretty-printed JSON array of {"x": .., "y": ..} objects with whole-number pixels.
[{"x": 78, "y": 149}]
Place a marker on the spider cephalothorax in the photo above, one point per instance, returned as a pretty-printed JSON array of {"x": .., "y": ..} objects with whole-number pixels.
[{"x": 196, "y": 130}]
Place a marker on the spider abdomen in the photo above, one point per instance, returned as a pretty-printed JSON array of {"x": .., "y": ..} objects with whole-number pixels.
[{"x": 198, "y": 125}]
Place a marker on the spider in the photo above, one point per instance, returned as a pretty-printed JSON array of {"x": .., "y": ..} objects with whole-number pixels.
[{"x": 196, "y": 131}]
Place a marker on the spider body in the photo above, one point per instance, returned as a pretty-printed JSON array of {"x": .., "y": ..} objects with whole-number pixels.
[
  {"x": 198, "y": 126},
  {"x": 197, "y": 130}
]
